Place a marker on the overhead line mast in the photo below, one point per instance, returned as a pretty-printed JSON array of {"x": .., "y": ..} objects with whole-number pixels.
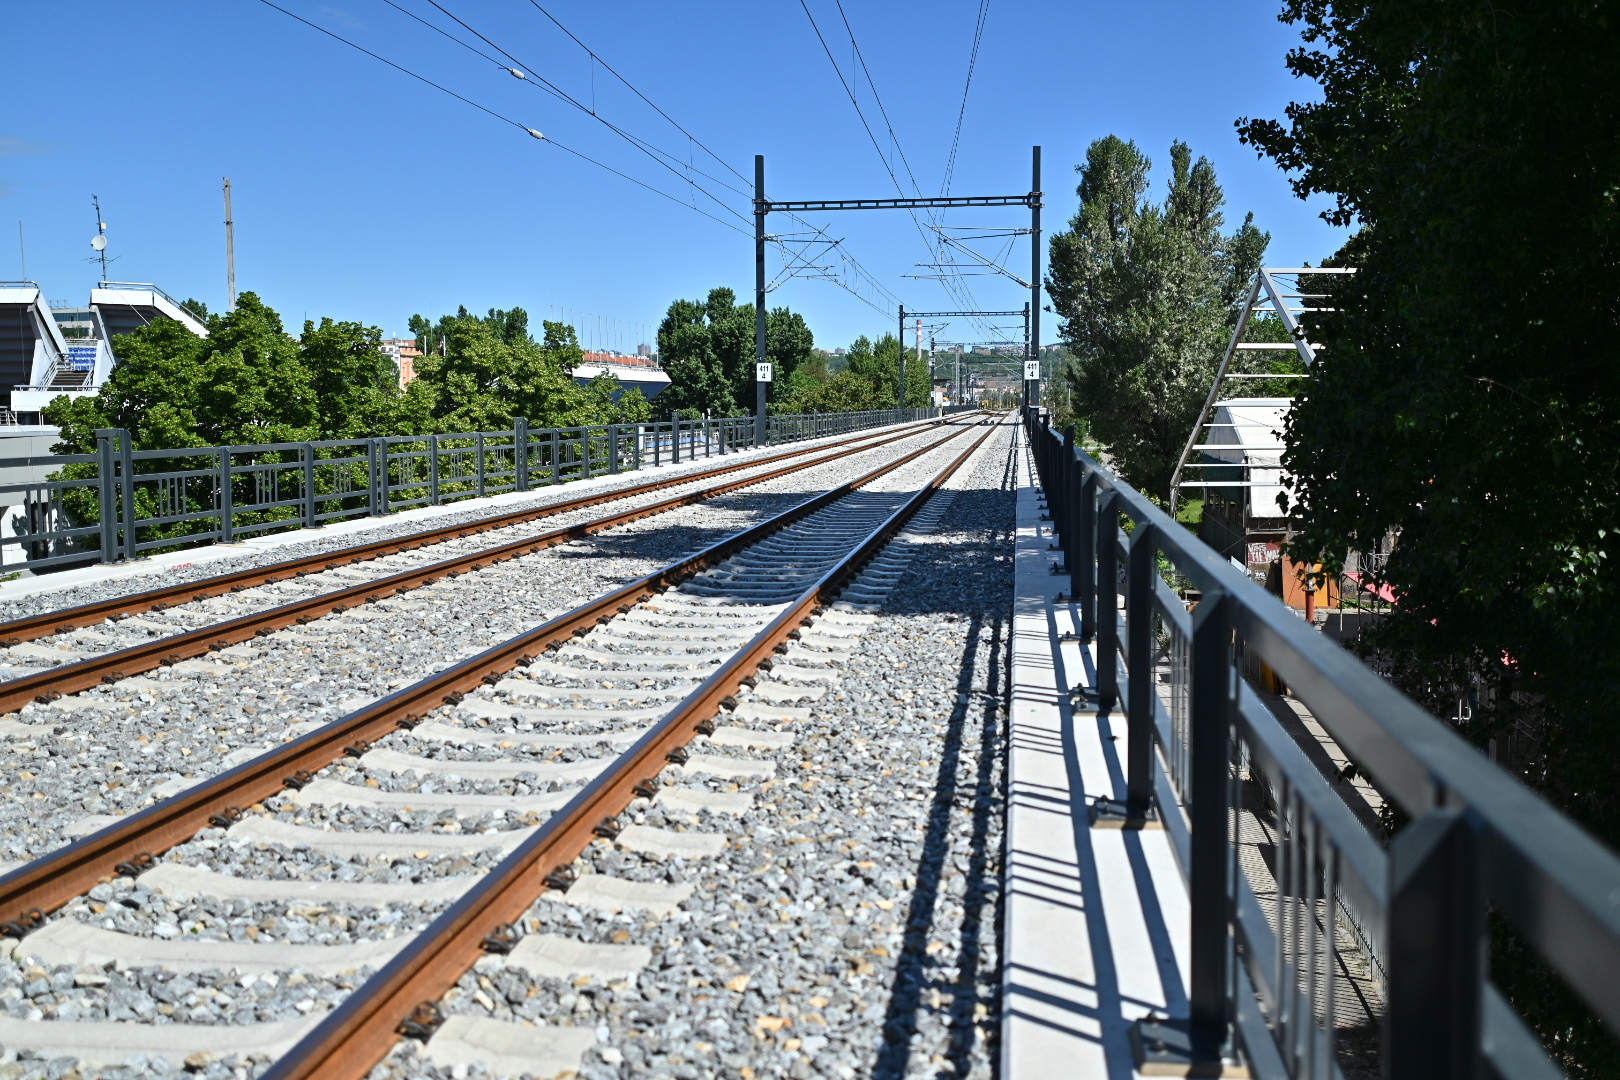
[{"x": 763, "y": 206}]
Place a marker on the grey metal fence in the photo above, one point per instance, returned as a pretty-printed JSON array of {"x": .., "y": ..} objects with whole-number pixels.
[
  {"x": 1282, "y": 876},
  {"x": 120, "y": 503}
]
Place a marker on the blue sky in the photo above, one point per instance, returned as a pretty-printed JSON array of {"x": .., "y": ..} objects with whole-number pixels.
[{"x": 364, "y": 194}]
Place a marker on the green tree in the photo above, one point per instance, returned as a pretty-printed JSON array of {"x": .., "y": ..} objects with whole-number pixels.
[
  {"x": 1468, "y": 397},
  {"x": 1147, "y": 297},
  {"x": 879, "y": 364},
  {"x": 247, "y": 382},
  {"x": 698, "y": 341},
  {"x": 707, "y": 347},
  {"x": 492, "y": 371}
]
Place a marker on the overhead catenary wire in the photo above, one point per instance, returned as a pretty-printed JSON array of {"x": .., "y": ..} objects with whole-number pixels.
[
  {"x": 788, "y": 258},
  {"x": 504, "y": 118},
  {"x": 961, "y": 296},
  {"x": 540, "y": 83},
  {"x": 961, "y": 113}
]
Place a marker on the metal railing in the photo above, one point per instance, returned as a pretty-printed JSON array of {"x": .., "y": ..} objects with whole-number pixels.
[
  {"x": 121, "y": 503},
  {"x": 1282, "y": 876}
]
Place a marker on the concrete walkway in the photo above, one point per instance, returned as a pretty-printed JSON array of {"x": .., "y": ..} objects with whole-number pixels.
[{"x": 1097, "y": 924}]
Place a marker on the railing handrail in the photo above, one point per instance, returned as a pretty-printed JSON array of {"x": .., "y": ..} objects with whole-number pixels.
[
  {"x": 1558, "y": 885},
  {"x": 212, "y": 494}
]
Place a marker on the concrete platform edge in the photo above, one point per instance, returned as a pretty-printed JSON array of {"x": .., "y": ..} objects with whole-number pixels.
[{"x": 1096, "y": 920}]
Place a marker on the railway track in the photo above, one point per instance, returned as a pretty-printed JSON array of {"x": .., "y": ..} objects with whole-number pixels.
[
  {"x": 87, "y": 758},
  {"x": 470, "y": 769},
  {"x": 75, "y": 675},
  {"x": 16, "y": 631}
]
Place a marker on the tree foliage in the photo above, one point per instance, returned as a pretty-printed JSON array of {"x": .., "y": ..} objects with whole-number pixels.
[
  {"x": 1146, "y": 293},
  {"x": 478, "y": 373},
  {"x": 707, "y": 348},
  {"x": 1468, "y": 396},
  {"x": 247, "y": 382}
]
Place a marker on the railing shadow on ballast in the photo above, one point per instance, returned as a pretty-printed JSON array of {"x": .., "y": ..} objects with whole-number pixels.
[
  {"x": 121, "y": 503},
  {"x": 1207, "y": 761}
]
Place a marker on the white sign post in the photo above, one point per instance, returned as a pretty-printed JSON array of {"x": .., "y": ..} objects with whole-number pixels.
[{"x": 762, "y": 372}]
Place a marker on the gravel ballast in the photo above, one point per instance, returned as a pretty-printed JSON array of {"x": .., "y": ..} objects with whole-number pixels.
[
  {"x": 826, "y": 816},
  {"x": 848, "y": 928},
  {"x": 75, "y": 764}
]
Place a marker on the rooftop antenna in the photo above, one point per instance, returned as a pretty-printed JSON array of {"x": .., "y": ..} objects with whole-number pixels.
[
  {"x": 99, "y": 241},
  {"x": 230, "y": 249}
]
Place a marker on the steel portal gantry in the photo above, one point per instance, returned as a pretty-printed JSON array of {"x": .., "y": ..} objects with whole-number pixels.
[{"x": 763, "y": 206}]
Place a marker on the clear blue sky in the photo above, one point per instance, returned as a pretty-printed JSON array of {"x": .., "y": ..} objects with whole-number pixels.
[{"x": 363, "y": 194}]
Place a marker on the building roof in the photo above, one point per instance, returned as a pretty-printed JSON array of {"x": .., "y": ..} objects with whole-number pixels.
[{"x": 1253, "y": 427}]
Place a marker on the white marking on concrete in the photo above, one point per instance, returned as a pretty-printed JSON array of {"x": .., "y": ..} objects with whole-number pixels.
[
  {"x": 546, "y": 956},
  {"x": 613, "y": 894},
  {"x": 509, "y": 1049},
  {"x": 668, "y": 844},
  {"x": 181, "y": 882},
  {"x": 68, "y": 941}
]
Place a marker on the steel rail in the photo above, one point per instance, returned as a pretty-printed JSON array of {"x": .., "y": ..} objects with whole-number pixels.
[
  {"x": 65, "y": 620},
  {"x": 59, "y": 876},
  {"x": 83, "y": 674},
  {"x": 363, "y": 1028}
]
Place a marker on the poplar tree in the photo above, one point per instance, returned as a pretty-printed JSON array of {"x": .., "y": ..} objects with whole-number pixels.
[{"x": 1147, "y": 297}]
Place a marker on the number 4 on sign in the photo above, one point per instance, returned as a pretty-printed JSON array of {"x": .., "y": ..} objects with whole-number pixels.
[
  {"x": 762, "y": 372},
  {"x": 1032, "y": 370}
]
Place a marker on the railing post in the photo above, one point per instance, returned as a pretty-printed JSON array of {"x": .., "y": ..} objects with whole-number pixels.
[
  {"x": 377, "y": 466},
  {"x": 311, "y": 520},
  {"x": 1210, "y": 974},
  {"x": 1436, "y": 935},
  {"x": 556, "y": 456},
  {"x": 1107, "y": 598},
  {"x": 107, "y": 490},
  {"x": 433, "y": 469},
  {"x": 126, "y": 491},
  {"x": 1083, "y": 564},
  {"x": 1140, "y": 575},
  {"x": 675, "y": 441},
  {"x": 478, "y": 439},
  {"x": 227, "y": 510},
  {"x": 520, "y": 452}
]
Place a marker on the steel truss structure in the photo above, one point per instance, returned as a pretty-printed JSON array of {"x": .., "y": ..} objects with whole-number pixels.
[
  {"x": 1267, "y": 296},
  {"x": 764, "y": 206}
]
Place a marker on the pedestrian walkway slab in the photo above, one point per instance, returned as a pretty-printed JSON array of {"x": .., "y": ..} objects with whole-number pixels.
[{"x": 1096, "y": 931}]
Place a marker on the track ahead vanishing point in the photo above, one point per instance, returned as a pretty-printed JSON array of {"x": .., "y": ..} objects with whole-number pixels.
[{"x": 691, "y": 634}]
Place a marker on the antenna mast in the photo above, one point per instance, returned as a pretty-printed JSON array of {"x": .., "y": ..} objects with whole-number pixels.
[
  {"x": 230, "y": 249},
  {"x": 100, "y": 240}
]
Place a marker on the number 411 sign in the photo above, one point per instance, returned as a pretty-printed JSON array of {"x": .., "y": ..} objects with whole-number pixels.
[
  {"x": 762, "y": 372},
  {"x": 1032, "y": 370}
]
